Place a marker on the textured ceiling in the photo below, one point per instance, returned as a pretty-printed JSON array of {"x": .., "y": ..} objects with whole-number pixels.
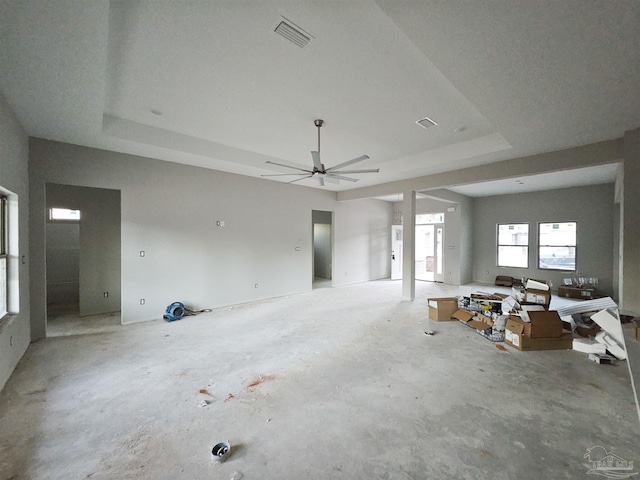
[{"x": 210, "y": 83}]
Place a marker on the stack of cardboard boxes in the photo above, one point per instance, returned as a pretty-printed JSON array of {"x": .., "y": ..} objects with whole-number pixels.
[{"x": 523, "y": 320}]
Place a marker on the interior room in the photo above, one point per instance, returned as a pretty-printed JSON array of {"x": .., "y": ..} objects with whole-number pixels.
[{"x": 302, "y": 177}]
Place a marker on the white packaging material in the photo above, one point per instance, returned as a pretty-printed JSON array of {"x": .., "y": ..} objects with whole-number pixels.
[
  {"x": 612, "y": 346},
  {"x": 610, "y": 323},
  {"x": 586, "y": 345},
  {"x": 537, "y": 285}
]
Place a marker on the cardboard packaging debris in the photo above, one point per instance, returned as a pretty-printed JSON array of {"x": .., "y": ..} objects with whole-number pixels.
[
  {"x": 538, "y": 297},
  {"x": 504, "y": 281},
  {"x": 537, "y": 285},
  {"x": 575, "y": 292},
  {"x": 541, "y": 324},
  {"x": 524, "y": 313},
  {"x": 477, "y": 302},
  {"x": 604, "y": 359},
  {"x": 441, "y": 309},
  {"x": 611, "y": 345},
  {"x": 586, "y": 345},
  {"x": 516, "y": 337},
  {"x": 610, "y": 323}
]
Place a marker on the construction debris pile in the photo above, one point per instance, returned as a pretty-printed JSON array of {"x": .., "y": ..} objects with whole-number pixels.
[{"x": 525, "y": 321}]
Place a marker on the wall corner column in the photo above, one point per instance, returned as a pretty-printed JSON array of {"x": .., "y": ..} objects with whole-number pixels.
[
  {"x": 630, "y": 245},
  {"x": 409, "y": 246}
]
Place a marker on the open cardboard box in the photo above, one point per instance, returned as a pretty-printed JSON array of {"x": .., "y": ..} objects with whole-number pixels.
[
  {"x": 515, "y": 336},
  {"x": 441, "y": 309}
]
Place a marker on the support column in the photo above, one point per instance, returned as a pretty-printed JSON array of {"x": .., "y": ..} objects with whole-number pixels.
[
  {"x": 409, "y": 246},
  {"x": 630, "y": 247}
]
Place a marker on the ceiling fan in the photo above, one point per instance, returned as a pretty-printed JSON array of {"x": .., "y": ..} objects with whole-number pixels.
[{"x": 319, "y": 171}]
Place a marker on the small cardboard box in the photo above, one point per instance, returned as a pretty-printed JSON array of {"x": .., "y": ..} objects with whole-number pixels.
[
  {"x": 441, "y": 309},
  {"x": 515, "y": 336},
  {"x": 537, "y": 297}
]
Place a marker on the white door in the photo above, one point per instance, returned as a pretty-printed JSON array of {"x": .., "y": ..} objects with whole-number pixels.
[
  {"x": 396, "y": 252},
  {"x": 438, "y": 274}
]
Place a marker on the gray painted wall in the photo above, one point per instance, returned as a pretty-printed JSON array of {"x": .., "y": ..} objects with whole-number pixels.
[
  {"x": 591, "y": 207},
  {"x": 98, "y": 248},
  {"x": 171, "y": 211},
  {"x": 14, "y": 151}
]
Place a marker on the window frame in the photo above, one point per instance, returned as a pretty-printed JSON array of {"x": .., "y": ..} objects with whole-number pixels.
[
  {"x": 4, "y": 253},
  {"x": 574, "y": 246},
  {"x": 498, "y": 244}
]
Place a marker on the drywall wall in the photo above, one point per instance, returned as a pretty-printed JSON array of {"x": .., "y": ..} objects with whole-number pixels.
[
  {"x": 591, "y": 207},
  {"x": 15, "y": 328},
  {"x": 209, "y": 237},
  {"x": 98, "y": 246},
  {"x": 631, "y": 219}
]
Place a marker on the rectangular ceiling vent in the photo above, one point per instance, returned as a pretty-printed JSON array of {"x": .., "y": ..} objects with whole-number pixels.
[
  {"x": 293, "y": 33},
  {"x": 426, "y": 122}
]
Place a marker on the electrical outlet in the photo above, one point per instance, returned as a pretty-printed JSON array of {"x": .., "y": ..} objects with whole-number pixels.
[
  {"x": 142, "y": 253},
  {"x": 255, "y": 286},
  {"x": 106, "y": 294},
  {"x": 142, "y": 301},
  {"x": 487, "y": 272}
]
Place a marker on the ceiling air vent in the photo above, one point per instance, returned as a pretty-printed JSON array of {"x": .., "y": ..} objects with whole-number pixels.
[
  {"x": 293, "y": 33},
  {"x": 426, "y": 122}
]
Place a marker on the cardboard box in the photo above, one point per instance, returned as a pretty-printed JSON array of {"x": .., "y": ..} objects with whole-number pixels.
[
  {"x": 441, "y": 309},
  {"x": 481, "y": 322},
  {"x": 542, "y": 324},
  {"x": 504, "y": 281},
  {"x": 537, "y": 297},
  {"x": 463, "y": 315},
  {"x": 514, "y": 336},
  {"x": 574, "y": 292}
]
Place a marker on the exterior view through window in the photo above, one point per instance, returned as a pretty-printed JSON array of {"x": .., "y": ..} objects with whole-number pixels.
[
  {"x": 64, "y": 214},
  {"x": 513, "y": 245},
  {"x": 557, "y": 246}
]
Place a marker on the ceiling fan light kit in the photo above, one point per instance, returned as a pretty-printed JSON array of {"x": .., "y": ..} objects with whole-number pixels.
[{"x": 319, "y": 171}]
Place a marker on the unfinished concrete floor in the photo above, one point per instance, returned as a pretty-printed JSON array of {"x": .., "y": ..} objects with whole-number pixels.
[{"x": 336, "y": 383}]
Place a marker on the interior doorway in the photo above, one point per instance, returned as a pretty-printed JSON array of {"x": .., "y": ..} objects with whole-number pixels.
[
  {"x": 322, "y": 239},
  {"x": 83, "y": 259},
  {"x": 429, "y": 248},
  {"x": 429, "y": 254}
]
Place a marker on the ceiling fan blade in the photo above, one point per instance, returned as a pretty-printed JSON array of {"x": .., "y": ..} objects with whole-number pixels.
[
  {"x": 368, "y": 170},
  {"x": 316, "y": 160},
  {"x": 340, "y": 177},
  {"x": 282, "y": 174},
  {"x": 288, "y": 166},
  {"x": 350, "y": 162},
  {"x": 298, "y": 179}
]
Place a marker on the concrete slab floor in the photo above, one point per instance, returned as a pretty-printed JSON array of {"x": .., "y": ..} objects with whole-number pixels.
[{"x": 337, "y": 383}]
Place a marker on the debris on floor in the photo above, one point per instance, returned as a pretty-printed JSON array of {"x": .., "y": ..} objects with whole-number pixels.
[
  {"x": 221, "y": 451},
  {"x": 524, "y": 320},
  {"x": 429, "y": 333}
]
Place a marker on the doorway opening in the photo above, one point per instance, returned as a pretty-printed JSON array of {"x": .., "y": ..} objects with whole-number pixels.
[
  {"x": 83, "y": 260},
  {"x": 322, "y": 239},
  {"x": 429, "y": 245}
]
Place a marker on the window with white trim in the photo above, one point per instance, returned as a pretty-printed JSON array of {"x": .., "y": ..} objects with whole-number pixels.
[
  {"x": 4, "y": 240},
  {"x": 557, "y": 246},
  {"x": 513, "y": 245}
]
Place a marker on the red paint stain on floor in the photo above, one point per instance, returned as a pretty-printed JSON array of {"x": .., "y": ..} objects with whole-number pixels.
[
  {"x": 229, "y": 397},
  {"x": 260, "y": 380},
  {"x": 204, "y": 391}
]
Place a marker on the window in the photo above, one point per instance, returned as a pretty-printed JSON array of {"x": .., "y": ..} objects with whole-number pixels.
[
  {"x": 64, "y": 214},
  {"x": 513, "y": 245},
  {"x": 557, "y": 246},
  {"x": 3, "y": 256}
]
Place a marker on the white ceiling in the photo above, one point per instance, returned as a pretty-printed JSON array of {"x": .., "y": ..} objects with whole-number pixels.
[{"x": 210, "y": 84}]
